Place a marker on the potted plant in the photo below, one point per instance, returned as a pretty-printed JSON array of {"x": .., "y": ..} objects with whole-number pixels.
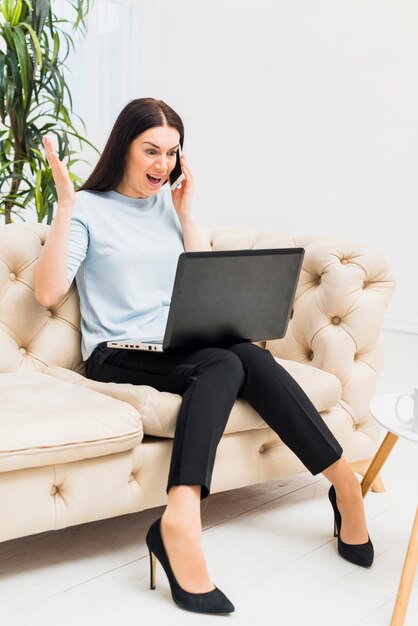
[{"x": 35, "y": 100}]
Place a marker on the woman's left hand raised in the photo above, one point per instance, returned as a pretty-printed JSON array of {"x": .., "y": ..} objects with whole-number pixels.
[{"x": 183, "y": 196}]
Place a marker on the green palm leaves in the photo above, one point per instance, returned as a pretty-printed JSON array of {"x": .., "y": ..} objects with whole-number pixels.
[{"x": 34, "y": 44}]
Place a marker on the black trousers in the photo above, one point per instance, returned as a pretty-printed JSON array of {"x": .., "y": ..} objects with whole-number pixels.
[{"x": 209, "y": 381}]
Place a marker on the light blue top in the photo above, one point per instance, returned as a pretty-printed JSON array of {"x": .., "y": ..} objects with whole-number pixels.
[{"x": 123, "y": 252}]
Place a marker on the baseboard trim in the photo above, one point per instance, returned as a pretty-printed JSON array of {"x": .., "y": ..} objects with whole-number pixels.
[{"x": 401, "y": 325}]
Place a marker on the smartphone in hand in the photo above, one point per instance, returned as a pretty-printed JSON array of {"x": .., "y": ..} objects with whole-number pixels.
[{"x": 177, "y": 176}]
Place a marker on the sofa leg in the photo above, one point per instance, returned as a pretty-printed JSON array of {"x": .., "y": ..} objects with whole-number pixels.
[{"x": 361, "y": 467}]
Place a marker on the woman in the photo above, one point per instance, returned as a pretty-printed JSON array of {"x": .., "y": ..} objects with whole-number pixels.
[{"x": 122, "y": 234}]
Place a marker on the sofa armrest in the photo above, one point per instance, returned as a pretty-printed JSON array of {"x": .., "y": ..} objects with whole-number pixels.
[{"x": 343, "y": 293}]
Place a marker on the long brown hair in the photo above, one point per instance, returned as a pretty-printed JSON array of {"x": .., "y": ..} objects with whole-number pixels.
[{"x": 138, "y": 116}]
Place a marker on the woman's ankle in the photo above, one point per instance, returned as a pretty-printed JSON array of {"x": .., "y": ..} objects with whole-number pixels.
[
  {"x": 348, "y": 489},
  {"x": 180, "y": 522},
  {"x": 341, "y": 475},
  {"x": 183, "y": 508}
]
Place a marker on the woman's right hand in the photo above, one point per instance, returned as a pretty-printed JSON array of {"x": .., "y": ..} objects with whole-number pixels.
[{"x": 63, "y": 184}]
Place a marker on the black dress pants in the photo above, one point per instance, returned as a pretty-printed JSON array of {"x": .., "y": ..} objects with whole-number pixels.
[{"x": 209, "y": 381}]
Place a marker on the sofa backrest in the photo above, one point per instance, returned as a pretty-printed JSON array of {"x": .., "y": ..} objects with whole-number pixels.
[
  {"x": 32, "y": 336},
  {"x": 342, "y": 296}
]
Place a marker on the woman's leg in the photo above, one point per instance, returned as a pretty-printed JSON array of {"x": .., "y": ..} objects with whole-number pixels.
[
  {"x": 207, "y": 403},
  {"x": 285, "y": 407},
  {"x": 349, "y": 501},
  {"x": 209, "y": 381},
  {"x": 211, "y": 392},
  {"x": 181, "y": 529}
]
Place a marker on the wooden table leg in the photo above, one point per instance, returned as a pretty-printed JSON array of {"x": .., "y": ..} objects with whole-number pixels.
[
  {"x": 407, "y": 577},
  {"x": 379, "y": 458}
]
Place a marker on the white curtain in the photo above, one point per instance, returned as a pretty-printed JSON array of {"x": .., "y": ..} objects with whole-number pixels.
[{"x": 103, "y": 74}]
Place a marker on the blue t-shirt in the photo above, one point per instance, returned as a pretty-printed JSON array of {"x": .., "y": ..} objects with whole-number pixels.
[{"x": 123, "y": 252}]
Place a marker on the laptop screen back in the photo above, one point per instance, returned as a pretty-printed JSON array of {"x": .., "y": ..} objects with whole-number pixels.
[{"x": 223, "y": 297}]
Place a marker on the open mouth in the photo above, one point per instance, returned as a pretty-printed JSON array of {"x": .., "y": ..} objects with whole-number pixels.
[{"x": 154, "y": 180}]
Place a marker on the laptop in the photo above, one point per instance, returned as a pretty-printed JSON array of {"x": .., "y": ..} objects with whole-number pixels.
[{"x": 224, "y": 297}]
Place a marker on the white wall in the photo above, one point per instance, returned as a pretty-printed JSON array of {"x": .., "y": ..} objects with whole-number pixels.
[{"x": 300, "y": 116}]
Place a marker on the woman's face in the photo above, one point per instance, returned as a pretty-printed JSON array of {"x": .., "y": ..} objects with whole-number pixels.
[{"x": 152, "y": 154}]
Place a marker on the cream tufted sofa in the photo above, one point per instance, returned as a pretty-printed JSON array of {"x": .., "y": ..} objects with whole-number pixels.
[{"x": 74, "y": 450}]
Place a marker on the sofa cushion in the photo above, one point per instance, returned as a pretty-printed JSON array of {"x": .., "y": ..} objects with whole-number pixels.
[
  {"x": 45, "y": 421},
  {"x": 159, "y": 409}
]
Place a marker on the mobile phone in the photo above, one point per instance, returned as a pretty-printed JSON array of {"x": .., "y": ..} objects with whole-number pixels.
[{"x": 177, "y": 176}]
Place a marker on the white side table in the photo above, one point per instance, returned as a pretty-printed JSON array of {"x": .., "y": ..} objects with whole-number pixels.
[{"x": 383, "y": 410}]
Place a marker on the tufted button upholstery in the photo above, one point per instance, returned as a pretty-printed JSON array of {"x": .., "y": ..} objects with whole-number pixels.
[
  {"x": 262, "y": 449},
  {"x": 336, "y": 320},
  {"x": 344, "y": 261},
  {"x": 54, "y": 490},
  {"x": 131, "y": 477},
  {"x": 22, "y": 317}
]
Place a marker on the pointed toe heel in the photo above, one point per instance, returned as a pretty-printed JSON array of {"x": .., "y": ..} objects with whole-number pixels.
[
  {"x": 214, "y": 601},
  {"x": 360, "y": 554}
]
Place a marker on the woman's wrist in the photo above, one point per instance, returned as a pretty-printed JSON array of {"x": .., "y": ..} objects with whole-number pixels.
[
  {"x": 186, "y": 220},
  {"x": 65, "y": 209}
]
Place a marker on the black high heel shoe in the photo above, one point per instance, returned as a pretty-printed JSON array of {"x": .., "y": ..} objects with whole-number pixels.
[
  {"x": 210, "y": 602},
  {"x": 359, "y": 554}
]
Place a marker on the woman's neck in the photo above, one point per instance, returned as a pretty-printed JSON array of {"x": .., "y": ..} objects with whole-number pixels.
[{"x": 127, "y": 190}]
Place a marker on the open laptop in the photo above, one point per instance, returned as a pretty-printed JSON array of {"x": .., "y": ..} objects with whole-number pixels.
[{"x": 223, "y": 297}]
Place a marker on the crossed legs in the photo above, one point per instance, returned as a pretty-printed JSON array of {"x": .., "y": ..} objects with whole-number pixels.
[{"x": 283, "y": 405}]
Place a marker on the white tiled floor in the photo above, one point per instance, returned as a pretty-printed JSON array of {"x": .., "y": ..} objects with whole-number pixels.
[{"x": 269, "y": 547}]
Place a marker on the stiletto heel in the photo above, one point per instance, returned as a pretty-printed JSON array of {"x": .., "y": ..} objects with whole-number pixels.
[
  {"x": 359, "y": 554},
  {"x": 153, "y": 565},
  {"x": 214, "y": 601}
]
